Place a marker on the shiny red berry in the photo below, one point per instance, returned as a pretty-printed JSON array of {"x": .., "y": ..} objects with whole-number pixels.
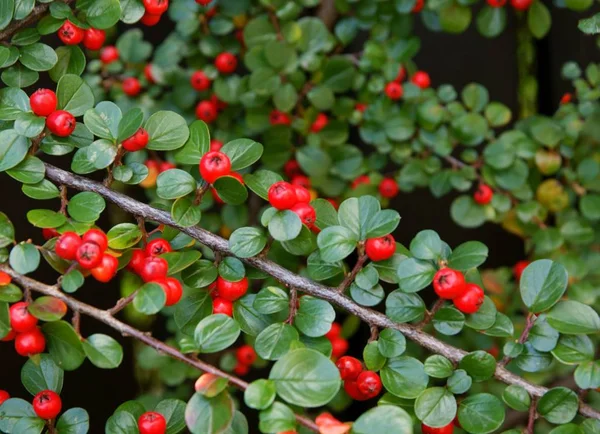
[
  {"x": 448, "y": 429},
  {"x": 156, "y": 7},
  {"x": 20, "y": 318},
  {"x": 361, "y": 180},
  {"x": 94, "y": 39},
  {"x": 401, "y": 71},
  {"x": 245, "y": 354},
  {"x": 302, "y": 194},
  {"x": 496, "y": 3},
  {"x": 61, "y": 123},
  {"x": 521, "y": 5},
  {"x": 49, "y": 233},
  {"x": 207, "y": 111},
  {"x": 301, "y": 180},
  {"x": 67, "y": 245},
  {"x": 213, "y": 165},
  {"x": 334, "y": 331},
  {"x": 107, "y": 269},
  {"x": 307, "y": 213},
  {"x": 165, "y": 165},
  {"x": 448, "y": 283},
  {"x": 282, "y": 195},
  {"x": 220, "y": 305},
  {"x": 70, "y": 34},
  {"x": 43, "y": 102},
  {"x": 369, "y": 384},
  {"x": 47, "y": 404},
  {"x": 380, "y": 249},
  {"x": 109, "y": 54},
  {"x": 483, "y": 195},
  {"x": 148, "y": 73},
  {"x": 241, "y": 369},
  {"x": 226, "y": 63},
  {"x": 292, "y": 168},
  {"x": 203, "y": 2},
  {"x": 418, "y": 7},
  {"x": 519, "y": 268},
  {"x": 200, "y": 81},
  {"x": 9, "y": 336},
  {"x": 136, "y": 262},
  {"x": 470, "y": 300},
  {"x": 96, "y": 236},
  {"x": 215, "y": 145},
  {"x": 339, "y": 347},
  {"x": 89, "y": 255},
  {"x": 388, "y": 188},
  {"x": 150, "y": 19},
  {"x": 157, "y": 247},
  {"x": 173, "y": 291},
  {"x": 566, "y": 98},
  {"x": 5, "y": 278},
  {"x": 394, "y": 91},
  {"x": 232, "y": 290},
  {"x": 320, "y": 122},
  {"x": 132, "y": 86},
  {"x": 154, "y": 268},
  {"x": 361, "y": 107},
  {"x": 351, "y": 389},
  {"x": 30, "y": 343},
  {"x": 136, "y": 142},
  {"x": 277, "y": 117},
  {"x": 152, "y": 423},
  {"x": 421, "y": 79},
  {"x": 350, "y": 367},
  {"x": 4, "y": 395}
]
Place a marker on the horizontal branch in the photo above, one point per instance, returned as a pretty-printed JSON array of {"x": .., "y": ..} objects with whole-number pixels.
[
  {"x": 127, "y": 330},
  {"x": 35, "y": 15},
  {"x": 293, "y": 280}
]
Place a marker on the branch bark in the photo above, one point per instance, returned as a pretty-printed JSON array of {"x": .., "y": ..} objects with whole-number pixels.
[
  {"x": 290, "y": 279},
  {"x": 38, "y": 12},
  {"x": 126, "y": 330}
]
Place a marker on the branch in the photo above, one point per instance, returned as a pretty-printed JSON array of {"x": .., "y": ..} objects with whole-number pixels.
[
  {"x": 303, "y": 284},
  {"x": 34, "y": 16},
  {"x": 352, "y": 275},
  {"x": 126, "y": 330},
  {"x": 327, "y": 12}
]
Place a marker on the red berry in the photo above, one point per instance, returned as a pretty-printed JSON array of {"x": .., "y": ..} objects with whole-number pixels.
[
  {"x": 109, "y": 54},
  {"x": 394, "y": 90},
  {"x": 43, "y": 102},
  {"x": 333, "y": 202},
  {"x": 401, "y": 71},
  {"x": 388, "y": 188},
  {"x": 156, "y": 7},
  {"x": 369, "y": 384},
  {"x": 246, "y": 354},
  {"x": 301, "y": 180},
  {"x": 20, "y": 318},
  {"x": 203, "y": 2},
  {"x": 292, "y": 168},
  {"x": 10, "y": 336},
  {"x": 5, "y": 278},
  {"x": 350, "y": 367},
  {"x": 136, "y": 142},
  {"x": 132, "y": 86},
  {"x": 448, "y": 429},
  {"x": 165, "y": 165},
  {"x": 483, "y": 195},
  {"x": 302, "y": 194},
  {"x": 237, "y": 176},
  {"x": 4, "y": 395},
  {"x": 279, "y": 118},
  {"x": 47, "y": 404},
  {"x": 94, "y": 39},
  {"x": 152, "y": 422},
  {"x": 418, "y": 7},
  {"x": 30, "y": 342},
  {"x": 67, "y": 245},
  {"x": 360, "y": 107},
  {"x": 282, "y": 195},
  {"x": 89, "y": 255},
  {"x": 220, "y": 105},
  {"x": 154, "y": 268},
  {"x": 215, "y": 145},
  {"x": 307, "y": 213},
  {"x": 226, "y": 63},
  {"x": 157, "y": 247},
  {"x": 380, "y": 249},
  {"x": 213, "y": 165},
  {"x": 200, "y": 81},
  {"x": 206, "y": 111},
  {"x": 173, "y": 290},
  {"x": 566, "y": 98},
  {"x": 150, "y": 19},
  {"x": 351, "y": 389},
  {"x": 241, "y": 369},
  {"x": 96, "y": 236},
  {"x": 519, "y": 268},
  {"x": 49, "y": 233},
  {"x": 339, "y": 347},
  {"x": 334, "y": 331},
  {"x": 496, "y": 3},
  {"x": 362, "y": 179},
  {"x": 421, "y": 79},
  {"x": 232, "y": 290},
  {"x": 448, "y": 283},
  {"x": 521, "y": 5},
  {"x": 70, "y": 34},
  {"x": 148, "y": 73},
  {"x": 107, "y": 269},
  {"x": 470, "y": 300},
  {"x": 61, "y": 123},
  {"x": 320, "y": 122},
  {"x": 137, "y": 261},
  {"x": 220, "y": 305}
]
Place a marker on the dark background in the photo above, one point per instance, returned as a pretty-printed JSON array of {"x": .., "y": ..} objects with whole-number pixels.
[{"x": 455, "y": 59}]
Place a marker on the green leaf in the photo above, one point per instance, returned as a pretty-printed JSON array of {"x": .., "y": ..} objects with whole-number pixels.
[
  {"x": 574, "y": 349},
  {"x": 86, "y": 207},
  {"x": 209, "y": 415},
  {"x": 285, "y": 225},
  {"x": 449, "y": 321},
  {"x": 271, "y": 300},
  {"x": 24, "y": 258},
  {"x": 306, "y": 378},
  {"x": 276, "y": 418},
  {"x": 17, "y": 415},
  {"x": 539, "y": 19},
  {"x": 44, "y": 218},
  {"x": 437, "y": 366},
  {"x": 103, "y": 120},
  {"x": 574, "y": 318},
  {"x": 382, "y": 223},
  {"x": 542, "y": 284},
  {"x": 404, "y": 377},
  {"x": 466, "y": 213},
  {"x": 29, "y": 171},
  {"x": 355, "y": 214},
  {"x": 130, "y": 123},
  {"x": 13, "y": 149},
  {"x": 71, "y": 60},
  {"x": 150, "y": 299},
  {"x": 391, "y": 343},
  {"x": 481, "y": 414},
  {"x": 426, "y": 245},
  {"x": 491, "y": 22},
  {"x": 485, "y": 317},
  {"x": 249, "y": 319},
  {"x": 103, "y": 351},
  {"x": 101, "y": 14},
  {"x": 74, "y": 421},
  {"x": 74, "y": 95},
  {"x": 247, "y": 242},
  {"x": 64, "y": 345},
  {"x": 122, "y": 422},
  {"x": 231, "y": 190},
  {"x": 558, "y": 405},
  {"x": 314, "y": 316},
  {"x": 516, "y": 398},
  {"x": 260, "y": 181},
  {"x": 480, "y": 365},
  {"x": 7, "y": 231},
  {"x": 383, "y": 419},
  {"x": 260, "y": 394},
  {"x": 196, "y": 146},
  {"x": 10, "y": 293},
  {"x": 336, "y": 243},
  {"x": 48, "y": 308},
  {"x": 185, "y": 212},
  {"x": 590, "y": 26},
  {"x": 402, "y": 307},
  {"x": 455, "y": 18},
  {"x": 174, "y": 183},
  {"x": 191, "y": 310},
  {"x": 72, "y": 281},
  {"x": 459, "y": 382},
  {"x": 200, "y": 274},
  {"x": 415, "y": 274},
  {"x": 123, "y": 236},
  {"x": 242, "y": 153},
  {"x": 215, "y": 333},
  {"x": 435, "y": 407},
  {"x": 42, "y": 374},
  {"x": 274, "y": 341},
  {"x": 167, "y": 131},
  {"x": 38, "y": 57},
  {"x": 179, "y": 261},
  {"x": 468, "y": 255},
  {"x": 173, "y": 411}
]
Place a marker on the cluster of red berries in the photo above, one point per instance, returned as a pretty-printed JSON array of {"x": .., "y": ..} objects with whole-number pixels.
[
  {"x": 90, "y": 253},
  {"x": 283, "y": 195},
  {"x": 154, "y": 11},
  {"x": 224, "y": 292},
  {"x": 394, "y": 89},
  {"x": 450, "y": 284},
  {"x": 148, "y": 264},
  {"x": 29, "y": 340},
  {"x": 70, "y": 34},
  {"x": 359, "y": 384},
  {"x": 245, "y": 356},
  {"x": 109, "y": 54},
  {"x": 152, "y": 422},
  {"x": 380, "y": 249},
  {"x": 483, "y": 195},
  {"x": 519, "y": 5},
  {"x": 43, "y": 103},
  {"x": 339, "y": 345},
  {"x": 388, "y": 188},
  {"x": 207, "y": 110}
]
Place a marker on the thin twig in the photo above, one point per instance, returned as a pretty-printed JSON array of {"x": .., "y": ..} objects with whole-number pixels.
[
  {"x": 64, "y": 201},
  {"x": 362, "y": 258},
  {"x": 142, "y": 225},
  {"x": 431, "y": 313},
  {"x": 293, "y": 306},
  {"x": 532, "y": 416},
  {"x": 76, "y": 321},
  {"x": 200, "y": 193},
  {"x": 374, "y": 333},
  {"x": 116, "y": 163},
  {"x": 529, "y": 323},
  {"x": 122, "y": 303}
]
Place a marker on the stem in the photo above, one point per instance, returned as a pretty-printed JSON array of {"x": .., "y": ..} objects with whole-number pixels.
[
  {"x": 374, "y": 333},
  {"x": 293, "y": 306},
  {"x": 142, "y": 225},
  {"x": 35, "y": 15},
  {"x": 529, "y": 323},
  {"x": 527, "y": 69},
  {"x": 110, "y": 178},
  {"x": 77, "y": 322},
  {"x": 532, "y": 416},
  {"x": 350, "y": 277},
  {"x": 122, "y": 303},
  {"x": 200, "y": 193},
  {"x": 303, "y": 284},
  {"x": 431, "y": 313},
  {"x": 127, "y": 330},
  {"x": 327, "y": 12},
  {"x": 64, "y": 201}
]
